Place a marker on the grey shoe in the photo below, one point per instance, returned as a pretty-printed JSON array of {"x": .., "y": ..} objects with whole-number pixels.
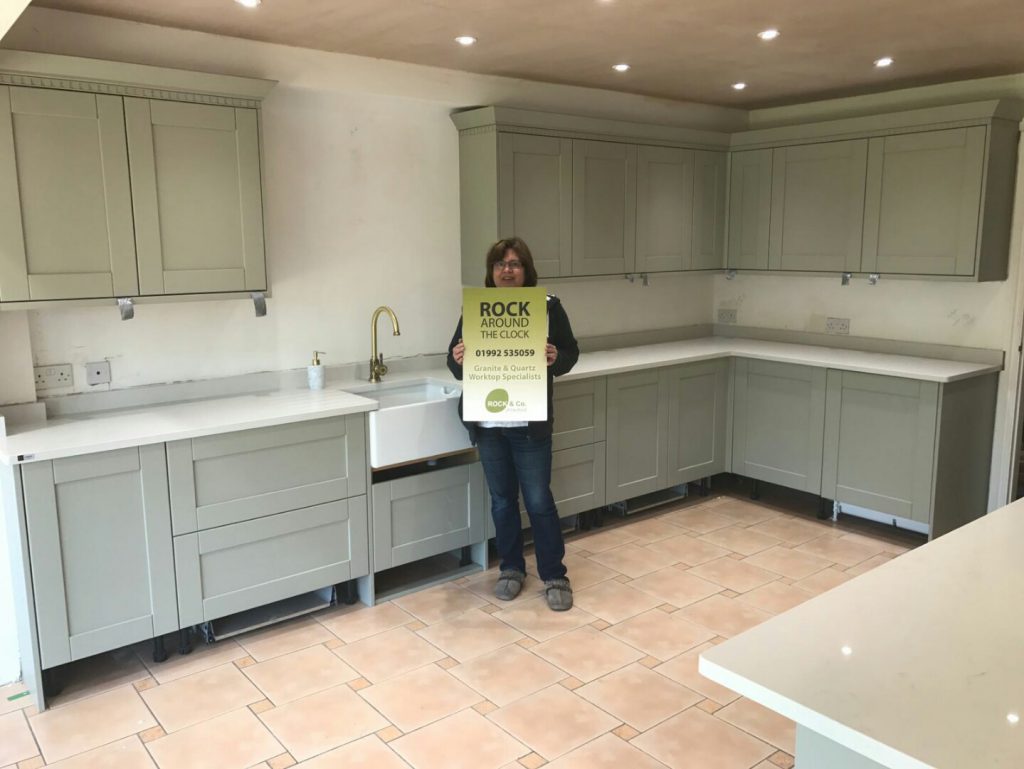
[
  {"x": 510, "y": 582},
  {"x": 559, "y": 594}
]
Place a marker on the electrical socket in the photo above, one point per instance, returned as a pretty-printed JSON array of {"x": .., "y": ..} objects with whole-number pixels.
[
  {"x": 98, "y": 373},
  {"x": 837, "y": 325},
  {"x": 726, "y": 315},
  {"x": 52, "y": 377}
]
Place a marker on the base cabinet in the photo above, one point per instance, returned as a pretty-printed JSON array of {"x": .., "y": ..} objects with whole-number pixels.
[{"x": 697, "y": 413}]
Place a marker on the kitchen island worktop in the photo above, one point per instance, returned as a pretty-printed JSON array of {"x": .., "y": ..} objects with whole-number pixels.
[{"x": 914, "y": 664}]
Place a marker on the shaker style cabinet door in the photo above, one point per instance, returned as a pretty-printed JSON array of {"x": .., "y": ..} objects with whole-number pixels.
[
  {"x": 603, "y": 207},
  {"x": 817, "y": 211},
  {"x": 923, "y": 202},
  {"x": 664, "y": 209},
  {"x": 708, "y": 250},
  {"x": 636, "y": 436},
  {"x": 65, "y": 198},
  {"x": 535, "y": 198},
  {"x": 195, "y": 171},
  {"x": 750, "y": 199},
  {"x": 697, "y": 394}
]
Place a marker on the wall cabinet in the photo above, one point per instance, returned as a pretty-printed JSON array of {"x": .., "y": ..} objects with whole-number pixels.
[
  {"x": 750, "y": 191},
  {"x": 100, "y": 547},
  {"x": 603, "y": 208},
  {"x": 664, "y": 209}
]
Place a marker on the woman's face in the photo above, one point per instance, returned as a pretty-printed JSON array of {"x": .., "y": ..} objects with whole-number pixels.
[{"x": 508, "y": 273}]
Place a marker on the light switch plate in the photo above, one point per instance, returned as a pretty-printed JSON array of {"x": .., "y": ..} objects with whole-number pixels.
[{"x": 98, "y": 373}]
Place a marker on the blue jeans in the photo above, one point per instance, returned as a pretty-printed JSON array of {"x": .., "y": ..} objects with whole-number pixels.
[{"x": 513, "y": 461}]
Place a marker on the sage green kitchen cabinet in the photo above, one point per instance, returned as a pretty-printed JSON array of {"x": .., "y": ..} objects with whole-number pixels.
[
  {"x": 708, "y": 250},
  {"x": 65, "y": 198},
  {"x": 817, "y": 206},
  {"x": 99, "y": 531},
  {"x": 750, "y": 202},
  {"x": 577, "y": 482},
  {"x": 535, "y": 199},
  {"x": 426, "y": 514},
  {"x": 232, "y": 477},
  {"x": 664, "y": 209},
  {"x": 579, "y": 413},
  {"x": 197, "y": 198},
  {"x": 697, "y": 411},
  {"x": 603, "y": 207},
  {"x": 778, "y": 423},
  {"x": 232, "y": 568},
  {"x": 923, "y": 205},
  {"x": 637, "y": 435}
]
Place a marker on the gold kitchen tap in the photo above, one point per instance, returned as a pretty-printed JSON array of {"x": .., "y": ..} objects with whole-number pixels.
[{"x": 377, "y": 367}]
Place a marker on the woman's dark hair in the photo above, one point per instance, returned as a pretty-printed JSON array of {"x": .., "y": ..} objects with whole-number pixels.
[{"x": 522, "y": 252}]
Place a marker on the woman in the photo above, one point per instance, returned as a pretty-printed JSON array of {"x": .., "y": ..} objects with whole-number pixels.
[{"x": 517, "y": 455}]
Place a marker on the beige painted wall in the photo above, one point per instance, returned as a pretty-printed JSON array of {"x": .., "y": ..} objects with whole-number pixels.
[{"x": 16, "y": 377}]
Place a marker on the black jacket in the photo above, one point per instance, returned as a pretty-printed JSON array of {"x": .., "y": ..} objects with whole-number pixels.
[{"x": 568, "y": 353}]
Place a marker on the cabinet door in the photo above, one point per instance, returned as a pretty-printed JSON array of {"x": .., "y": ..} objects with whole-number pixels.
[
  {"x": 637, "y": 438},
  {"x": 664, "y": 209},
  {"x": 778, "y": 423},
  {"x": 100, "y": 544},
  {"x": 817, "y": 213},
  {"x": 708, "y": 250},
  {"x": 923, "y": 202},
  {"x": 696, "y": 420},
  {"x": 880, "y": 443},
  {"x": 65, "y": 200},
  {"x": 603, "y": 208},
  {"x": 579, "y": 413},
  {"x": 750, "y": 200},
  {"x": 577, "y": 481},
  {"x": 195, "y": 172},
  {"x": 535, "y": 198},
  {"x": 423, "y": 515}
]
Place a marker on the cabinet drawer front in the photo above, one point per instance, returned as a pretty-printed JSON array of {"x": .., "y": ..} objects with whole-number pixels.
[
  {"x": 238, "y": 567},
  {"x": 427, "y": 514},
  {"x": 223, "y": 479},
  {"x": 697, "y": 415},
  {"x": 579, "y": 413}
]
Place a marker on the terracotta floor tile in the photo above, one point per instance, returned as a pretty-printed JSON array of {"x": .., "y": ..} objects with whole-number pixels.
[
  {"x": 436, "y": 603},
  {"x": 202, "y": 657},
  {"x": 7, "y": 691},
  {"x": 606, "y": 752},
  {"x": 613, "y": 601},
  {"x": 826, "y": 579},
  {"x": 584, "y": 572},
  {"x": 839, "y": 550},
  {"x": 128, "y": 753},
  {"x": 87, "y": 724},
  {"x": 687, "y": 550},
  {"x": 675, "y": 586},
  {"x": 367, "y": 753},
  {"x": 470, "y": 635},
  {"x": 262, "y": 705},
  {"x": 700, "y": 519},
  {"x": 782, "y": 759},
  {"x": 101, "y": 673},
  {"x": 508, "y": 674},
  {"x": 726, "y": 616},
  {"x": 740, "y": 540},
  {"x": 389, "y": 654},
  {"x": 638, "y": 696},
  {"x": 710, "y": 706},
  {"x": 789, "y": 563},
  {"x": 420, "y": 697},
  {"x": 154, "y": 733},
  {"x": 733, "y": 575},
  {"x": 285, "y": 637},
  {"x": 600, "y": 540},
  {"x": 871, "y": 563},
  {"x": 775, "y": 597},
  {"x": 633, "y": 560},
  {"x": 659, "y": 634},
  {"x": 282, "y": 761},
  {"x": 485, "y": 707},
  {"x": 587, "y": 653},
  {"x": 762, "y": 723},
  {"x": 653, "y": 530},
  {"x": 795, "y": 531},
  {"x": 744, "y": 512},
  {"x": 351, "y": 626},
  {"x": 625, "y": 732},
  {"x": 389, "y": 733},
  {"x": 571, "y": 683},
  {"x": 683, "y": 669},
  {"x": 532, "y": 761},
  {"x": 16, "y": 742},
  {"x": 568, "y": 722},
  {"x": 322, "y": 721},
  {"x": 200, "y": 696},
  {"x": 533, "y": 617},
  {"x": 445, "y": 744},
  {"x": 695, "y": 740},
  {"x": 233, "y": 741},
  {"x": 291, "y": 676}
]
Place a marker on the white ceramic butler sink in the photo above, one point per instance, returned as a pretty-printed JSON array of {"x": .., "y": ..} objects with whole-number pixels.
[{"x": 417, "y": 419}]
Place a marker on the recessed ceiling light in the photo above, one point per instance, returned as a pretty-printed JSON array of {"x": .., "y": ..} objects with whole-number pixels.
[
  {"x": 768, "y": 34},
  {"x": 621, "y": 67},
  {"x": 249, "y": 3},
  {"x": 885, "y": 61},
  {"x": 1013, "y": 718},
  {"x": 739, "y": 86},
  {"x": 465, "y": 40}
]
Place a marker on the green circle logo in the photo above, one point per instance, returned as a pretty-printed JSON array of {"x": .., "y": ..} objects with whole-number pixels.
[{"x": 497, "y": 401}]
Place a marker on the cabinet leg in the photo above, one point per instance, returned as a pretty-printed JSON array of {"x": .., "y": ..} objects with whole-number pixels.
[
  {"x": 584, "y": 520},
  {"x": 185, "y": 641},
  {"x": 159, "y": 650},
  {"x": 349, "y": 593},
  {"x": 53, "y": 682},
  {"x": 466, "y": 557},
  {"x": 703, "y": 487},
  {"x": 755, "y": 489},
  {"x": 824, "y": 511}
]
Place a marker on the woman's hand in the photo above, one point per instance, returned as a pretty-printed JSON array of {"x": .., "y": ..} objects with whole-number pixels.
[
  {"x": 459, "y": 352},
  {"x": 551, "y": 352}
]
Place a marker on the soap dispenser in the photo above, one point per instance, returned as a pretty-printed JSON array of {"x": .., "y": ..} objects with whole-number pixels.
[{"x": 315, "y": 372}]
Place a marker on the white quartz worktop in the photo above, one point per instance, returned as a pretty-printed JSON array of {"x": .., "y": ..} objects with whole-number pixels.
[{"x": 917, "y": 663}]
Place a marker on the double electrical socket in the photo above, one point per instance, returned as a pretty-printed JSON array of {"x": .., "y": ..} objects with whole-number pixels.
[
  {"x": 837, "y": 325},
  {"x": 726, "y": 315},
  {"x": 52, "y": 377}
]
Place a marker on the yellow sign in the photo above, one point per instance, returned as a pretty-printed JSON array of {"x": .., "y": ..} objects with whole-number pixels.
[{"x": 504, "y": 371}]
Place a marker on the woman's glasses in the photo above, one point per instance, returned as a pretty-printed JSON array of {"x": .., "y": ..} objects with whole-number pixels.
[{"x": 510, "y": 265}]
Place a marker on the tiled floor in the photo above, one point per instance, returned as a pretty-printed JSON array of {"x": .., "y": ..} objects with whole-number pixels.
[{"x": 450, "y": 677}]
